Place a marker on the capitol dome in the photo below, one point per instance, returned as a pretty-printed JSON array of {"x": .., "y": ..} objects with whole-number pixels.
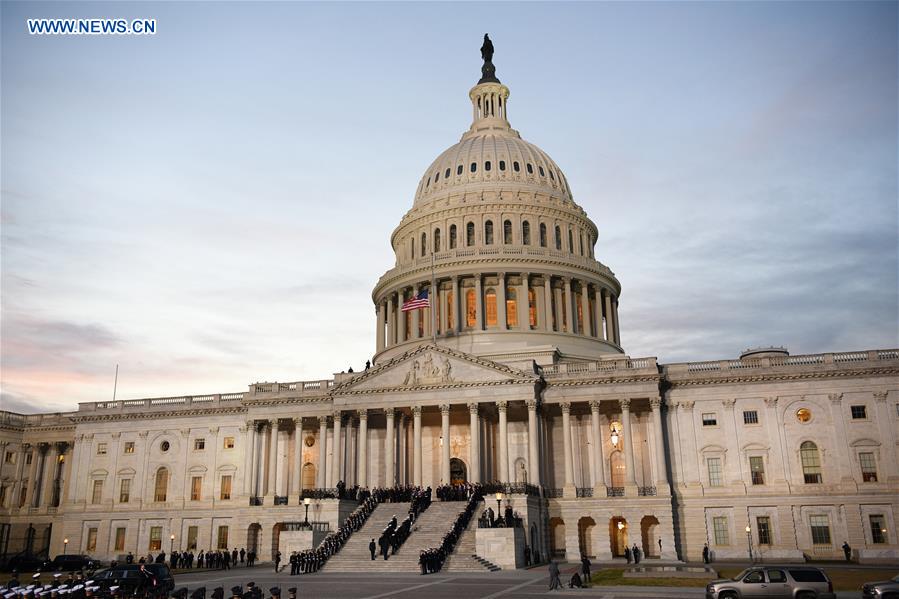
[{"x": 502, "y": 252}]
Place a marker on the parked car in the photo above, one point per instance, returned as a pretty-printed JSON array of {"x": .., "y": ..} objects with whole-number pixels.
[
  {"x": 24, "y": 563},
  {"x": 885, "y": 589},
  {"x": 780, "y": 582},
  {"x": 71, "y": 563},
  {"x": 129, "y": 578}
]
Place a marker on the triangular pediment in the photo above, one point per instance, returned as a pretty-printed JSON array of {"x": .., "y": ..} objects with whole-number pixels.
[{"x": 429, "y": 367}]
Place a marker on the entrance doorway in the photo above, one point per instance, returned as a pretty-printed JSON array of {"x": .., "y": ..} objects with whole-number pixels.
[
  {"x": 458, "y": 472},
  {"x": 649, "y": 531},
  {"x": 618, "y": 535}
]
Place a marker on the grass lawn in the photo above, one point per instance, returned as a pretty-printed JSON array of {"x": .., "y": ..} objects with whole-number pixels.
[{"x": 615, "y": 577}]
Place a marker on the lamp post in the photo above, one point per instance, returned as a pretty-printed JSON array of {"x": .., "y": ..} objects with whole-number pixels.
[
  {"x": 306, "y": 502},
  {"x": 749, "y": 542},
  {"x": 171, "y": 543},
  {"x": 65, "y": 545},
  {"x": 499, "y": 511}
]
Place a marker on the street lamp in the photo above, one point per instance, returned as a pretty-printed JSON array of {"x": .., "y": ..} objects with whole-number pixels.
[
  {"x": 749, "y": 541},
  {"x": 306, "y": 502},
  {"x": 65, "y": 545},
  {"x": 499, "y": 511},
  {"x": 171, "y": 543}
]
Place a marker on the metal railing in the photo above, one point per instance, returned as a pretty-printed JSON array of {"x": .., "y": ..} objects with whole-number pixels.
[
  {"x": 255, "y": 500},
  {"x": 614, "y": 491},
  {"x": 280, "y": 500},
  {"x": 584, "y": 492},
  {"x": 552, "y": 493},
  {"x": 646, "y": 491}
]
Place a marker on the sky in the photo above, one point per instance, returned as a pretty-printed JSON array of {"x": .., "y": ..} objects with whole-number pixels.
[{"x": 211, "y": 206}]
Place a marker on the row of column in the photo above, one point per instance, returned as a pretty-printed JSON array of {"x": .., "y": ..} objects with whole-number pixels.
[
  {"x": 45, "y": 474},
  {"x": 559, "y": 301}
]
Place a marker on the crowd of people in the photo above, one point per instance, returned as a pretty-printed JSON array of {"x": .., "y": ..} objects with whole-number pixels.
[
  {"x": 221, "y": 559},
  {"x": 431, "y": 560}
]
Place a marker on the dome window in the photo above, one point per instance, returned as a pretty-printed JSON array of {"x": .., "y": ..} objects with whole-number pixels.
[
  {"x": 530, "y": 169},
  {"x": 487, "y": 166},
  {"x": 459, "y": 170},
  {"x": 469, "y": 234},
  {"x": 474, "y": 167},
  {"x": 516, "y": 167},
  {"x": 424, "y": 244},
  {"x": 526, "y": 233},
  {"x": 507, "y": 232},
  {"x": 552, "y": 176},
  {"x": 558, "y": 238},
  {"x": 581, "y": 238},
  {"x": 428, "y": 183},
  {"x": 502, "y": 165},
  {"x": 436, "y": 240},
  {"x": 446, "y": 174},
  {"x": 488, "y": 233},
  {"x": 542, "y": 172},
  {"x": 570, "y": 242},
  {"x": 452, "y": 239},
  {"x": 542, "y": 235},
  {"x": 436, "y": 176}
]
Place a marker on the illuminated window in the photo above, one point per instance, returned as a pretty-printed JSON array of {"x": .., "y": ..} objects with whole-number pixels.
[
  {"x": 91, "y": 544},
  {"x": 580, "y": 313},
  {"x": 155, "y": 538},
  {"x": 119, "y": 539},
  {"x": 507, "y": 232},
  {"x": 868, "y": 466},
  {"x": 757, "y": 469},
  {"x": 763, "y": 526},
  {"x": 878, "y": 528},
  {"x": 469, "y": 234},
  {"x": 228, "y": 443},
  {"x": 490, "y": 304},
  {"x": 532, "y": 307},
  {"x": 452, "y": 238},
  {"x": 449, "y": 310},
  {"x": 526, "y": 233},
  {"x": 129, "y": 446},
  {"x": 471, "y": 309},
  {"x": 196, "y": 488},
  {"x": 225, "y": 492},
  {"x": 488, "y": 232},
  {"x": 125, "y": 490},
  {"x": 161, "y": 487},
  {"x": 192, "y": 533},
  {"x": 811, "y": 462},
  {"x": 542, "y": 235},
  {"x": 719, "y": 525},
  {"x": 511, "y": 307}
]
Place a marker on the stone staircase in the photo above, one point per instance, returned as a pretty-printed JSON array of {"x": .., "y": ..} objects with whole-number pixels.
[
  {"x": 464, "y": 558},
  {"x": 355, "y": 554}
]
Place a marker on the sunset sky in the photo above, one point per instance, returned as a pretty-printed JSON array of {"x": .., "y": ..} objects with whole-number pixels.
[{"x": 212, "y": 206}]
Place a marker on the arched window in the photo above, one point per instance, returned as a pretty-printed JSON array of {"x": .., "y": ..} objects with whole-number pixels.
[
  {"x": 161, "y": 488},
  {"x": 471, "y": 309},
  {"x": 488, "y": 232},
  {"x": 526, "y": 233},
  {"x": 616, "y": 463},
  {"x": 502, "y": 165},
  {"x": 424, "y": 244},
  {"x": 542, "y": 173},
  {"x": 558, "y": 238},
  {"x": 570, "y": 242},
  {"x": 487, "y": 166},
  {"x": 474, "y": 167},
  {"x": 532, "y": 307},
  {"x": 436, "y": 240},
  {"x": 428, "y": 184},
  {"x": 459, "y": 170},
  {"x": 449, "y": 310},
  {"x": 452, "y": 237},
  {"x": 530, "y": 169},
  {"x": 516, "y": 167},
  {"x": 507, "y": 232},
  {"x": 811, "y": 463},
  {"x": 469, "y": 234},
  {"x": 542, "y": 235},
  {"x": 581, "y": 238},
  {"x": 551, "y": 175},
  {"x": 511, "y": 307},
  {"x": 412, "y": 248},
  {"x": 446, "y": 174},
  {"x": 436, "y": 176},
  {"x": 490, "y": 306}
]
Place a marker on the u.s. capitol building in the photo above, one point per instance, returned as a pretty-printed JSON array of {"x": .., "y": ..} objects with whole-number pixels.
[{"x": 517, "y": 373}]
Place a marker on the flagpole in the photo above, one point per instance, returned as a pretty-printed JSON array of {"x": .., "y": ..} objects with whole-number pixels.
[{"x": 434, "y": 295}]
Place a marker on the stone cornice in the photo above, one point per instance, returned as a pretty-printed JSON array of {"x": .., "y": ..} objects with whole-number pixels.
[
  {"x": 700, "y": 379},
  {"x": 114, "y": 416}
]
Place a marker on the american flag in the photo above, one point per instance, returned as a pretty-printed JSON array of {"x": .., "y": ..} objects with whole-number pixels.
[{"x": 419, "y": 301}]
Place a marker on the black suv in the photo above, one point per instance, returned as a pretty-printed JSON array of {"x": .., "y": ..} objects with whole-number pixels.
[
  {"x": 71, "y": 563},
  {"x": 128, "y": 577}
]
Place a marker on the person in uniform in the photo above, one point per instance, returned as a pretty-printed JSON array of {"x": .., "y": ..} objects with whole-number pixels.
[
  {"x": 237, "y": 592},
  {"x": 585, "y": 568},
  {"x": 199, "y": 593},
  {"x": 554, "y": 582},
  {"x": 218, "y": 593},
  {"x": 275, "y": 592},
  {"x": 292, "y": 593},
  {"x": 373, "y": 547}
]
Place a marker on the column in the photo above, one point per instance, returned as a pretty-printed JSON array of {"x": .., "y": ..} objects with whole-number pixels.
[
  {"x": 630, "y": 479},
  {"x": 607, "y": 297},
  {"x": 296, "y": 479},
  {"x": 391, "y": 324},
  {"x": 474, "y": 445},
  {"x": 661, "y": 478},
  {"x": 841, "y": 445},
  {"x": 402, "y": 466},
  {"x": 599, "y": 461},
  {"x": 501, "y": 302},
  {"x": 336, "y": 453},
  {"x": 321, "y": 478},
  {"x": 501, "y": 407},
  {"x": 457, "y": 316},
  {"x": 615, "y": 320},
  {"x": 400, "y": 318},
  {"x": 524, "y": 304},
  {"x": 349, "y": 465},
  {"x": 777, "y": 457},
  {"x": 75, "y": 471},
  {"x": 255, "y": 460},
  {"x": 557, "y": 308},
  {"x": 887, "y": 435},
  {"x": 597, "y": 309},
  {"x": 379, "y": 334},
  {"x": 272, "y": 457},
  {"x": 390, "y": 449},
  {"x": 442, "y": 324},
  {"x": 479, "y": 303},
  {"x": 547, "y": 303},
  {"x": 566, "y": 445},
  {"x": 533, "y": 447},
  {"x": 567, "y": 303},
  {"x": 445, "y": 450},
  {"x": 585, "y": 309},
  {"x": 416, "y": 446},
  {"x": 249, "y": 440},
  {"x": 33, "y": 484},
  {"x": 362, "y": 464},
  {"x": 50, "y": 472},
  {"x": 732, "y": 458}
]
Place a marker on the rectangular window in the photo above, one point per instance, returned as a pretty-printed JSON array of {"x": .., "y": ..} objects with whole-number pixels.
[
  {"x": 719, "y": 524},
  {"x": 28, "y": 457},
  {"x": 709, "y": 419},
  {"x": 878, "y": 528},
  {"x": 155, "y": 538},
  {"x": 23, "y": 492},
  {"x": 229, "y": 443},
  {"x": 91, "y": 544},
  {"x": 97, "y": 492},
  {"x": 192, "y": 532},
  {"x": 129, "y": 446},
  {"x": 763, "y": 526},
  {"x": 223, "y": 537},
  {"x": 10, "y": 457},
  {"x": 3, "y": 492},
  {"x": 511, "y": 309},
  {"x": 757, "y": 469},
  {"x": 101, "y": 448},
  {"x": 125, "y": 490},
  {"x": 196, "y": 485},
  {"x": 199, "y": 444},
  {"x": 750, "y": 417},
  {"x": 859, "y": 412},
  {"x": 226, "y": 487},
  {"x": 714, "y": 465},
  {"x": 119, "y": 539},
  {"x": 820, "y": 526},
  {"x": 869, "y": 467}
]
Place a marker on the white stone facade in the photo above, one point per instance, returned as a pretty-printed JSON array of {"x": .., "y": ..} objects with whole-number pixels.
[{"x": 517, "y": 376}]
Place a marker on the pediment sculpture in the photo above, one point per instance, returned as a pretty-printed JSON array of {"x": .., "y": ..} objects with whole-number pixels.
[{"x": 429, "y": 372}]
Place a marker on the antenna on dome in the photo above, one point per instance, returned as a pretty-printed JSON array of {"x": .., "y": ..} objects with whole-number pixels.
[
  {"x": 488, "y": 71},
  {"x": 115, "y": 382}
]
